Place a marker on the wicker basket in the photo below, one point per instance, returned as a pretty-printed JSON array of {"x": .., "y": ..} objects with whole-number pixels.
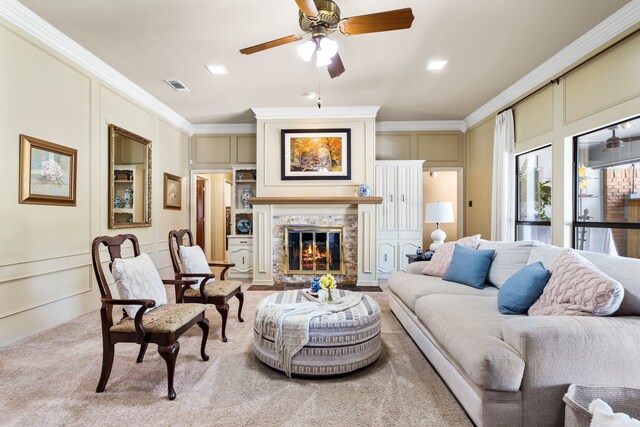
[{"x": 578, "y": 398}]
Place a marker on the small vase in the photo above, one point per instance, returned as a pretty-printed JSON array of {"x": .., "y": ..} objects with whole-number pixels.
[
  {"x": 329, "y": 297},
  {"x": 127, "y": 198},
  {"x": 244, "y": 197}
]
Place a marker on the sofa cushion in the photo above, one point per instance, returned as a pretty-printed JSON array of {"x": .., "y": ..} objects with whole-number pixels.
[
  {"x": 510, "y": 257},
  {"x": 469, "y": 329},
  {"x": 409, "y": 287},
  {"x": 578, "y": 288},
  {"x": 469, "y": 266},
  {"x": 523, "y": 289},
  {"x": 624, "y": 270},
  {"x": 442, "y": 257}
]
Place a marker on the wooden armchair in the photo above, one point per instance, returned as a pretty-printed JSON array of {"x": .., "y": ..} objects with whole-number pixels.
[
  {"x": 217, "y": 293},
  {"x": 162, "y": 326}
]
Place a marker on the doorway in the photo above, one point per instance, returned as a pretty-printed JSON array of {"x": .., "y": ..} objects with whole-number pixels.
[
  {"x": 443, "y": 185},
  {"x": 211, "y": 219}
]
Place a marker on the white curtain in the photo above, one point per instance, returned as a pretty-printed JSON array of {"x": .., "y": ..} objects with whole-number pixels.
[{"x": 504, "y": 179}]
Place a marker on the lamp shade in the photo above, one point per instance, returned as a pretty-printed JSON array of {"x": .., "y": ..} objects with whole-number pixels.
[{"x": 439, "y": 212}]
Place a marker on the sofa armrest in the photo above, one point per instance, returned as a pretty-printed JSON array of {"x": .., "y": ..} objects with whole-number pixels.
[
  {"x": 416, "y": 267},
  {"x": 563, "y": 350}
]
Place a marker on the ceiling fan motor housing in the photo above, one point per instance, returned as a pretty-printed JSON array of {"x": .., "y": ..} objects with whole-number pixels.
[{"x": 326, "y": 21}]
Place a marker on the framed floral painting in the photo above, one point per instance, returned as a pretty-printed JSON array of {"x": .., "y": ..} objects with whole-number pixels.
[
  {"x": 316, "y": 154},
  {"x": 47, "y": 172},
  {"x": 172, "y": 192}
]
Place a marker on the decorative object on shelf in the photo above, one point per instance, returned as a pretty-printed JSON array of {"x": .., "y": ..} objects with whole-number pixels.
[
  {"x": 419, "y": 252},
  {"x": 246, "y": 176},
  {"x": 315, "y": 286},
  {"x": 438, "y": 212},
  {"x": 123, "y": 175},
  {"x": 47, "y": 173},
  {"x": 244, "y": 197},
  {"x": 321, "y": 154},
  {"x": 117, "y": 202},
  {"x": 172, "y": 192},
  {"x": 130, "y": 219},
  {"x": 328, "y": 282},
  {"x": 127, "y": 198},
  {"x": 243, "y": 226},
  {"x": 363, "y": 191}
]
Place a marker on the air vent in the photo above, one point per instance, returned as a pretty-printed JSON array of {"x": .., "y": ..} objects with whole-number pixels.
[{"x": 177, "y": 85}]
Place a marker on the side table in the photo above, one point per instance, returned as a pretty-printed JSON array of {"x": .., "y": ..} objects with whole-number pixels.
[{"x": 416, "y": 258}]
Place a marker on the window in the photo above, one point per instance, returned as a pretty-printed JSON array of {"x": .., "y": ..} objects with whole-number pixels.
[
  {"x": 606, "y": 216},
  {"x": 533, "y": 195}
]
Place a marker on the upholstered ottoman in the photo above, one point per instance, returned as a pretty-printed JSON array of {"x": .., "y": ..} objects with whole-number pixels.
[{"x": 338, "y": 343}]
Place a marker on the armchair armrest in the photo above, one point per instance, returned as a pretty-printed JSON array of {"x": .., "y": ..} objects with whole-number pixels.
[
  {"x": 205, "y": 278},
  {"x": 179, "y": 282},
  {"x": 225, "y": 267},
  {"x": 561, "y": 350},
  {"x": 137, "y": 321}
]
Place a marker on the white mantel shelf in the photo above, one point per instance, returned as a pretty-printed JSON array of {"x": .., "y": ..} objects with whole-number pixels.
[{"x": 315, "y": 200}]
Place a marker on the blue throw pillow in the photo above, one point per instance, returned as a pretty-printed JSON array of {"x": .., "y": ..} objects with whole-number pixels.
[
  {"x": 469, "y": 266},
  {"x": 522, "y": 289}
]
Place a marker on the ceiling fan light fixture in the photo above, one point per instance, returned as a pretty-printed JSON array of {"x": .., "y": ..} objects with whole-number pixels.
[
  {"x": 306, "y": 50},
  {"x": 322, "y": 59},
  {"x": 329, "y": 47}
]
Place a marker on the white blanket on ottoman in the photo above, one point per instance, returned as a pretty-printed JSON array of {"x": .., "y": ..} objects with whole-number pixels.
[{"x": 292, "y": 323}]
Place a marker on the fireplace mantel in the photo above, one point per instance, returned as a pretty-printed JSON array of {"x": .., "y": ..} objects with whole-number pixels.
[{"x": 315, "y": 200}]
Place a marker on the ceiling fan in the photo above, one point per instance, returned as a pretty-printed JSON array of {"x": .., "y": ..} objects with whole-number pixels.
[
  {"x": 319, "y": 18},
  {"x": 615, "y": 141}
]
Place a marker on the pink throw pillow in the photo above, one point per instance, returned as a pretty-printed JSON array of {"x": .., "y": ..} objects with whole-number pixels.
[
  {"x": 441, "y": 259},
  {"x": 577, "y": 288}
]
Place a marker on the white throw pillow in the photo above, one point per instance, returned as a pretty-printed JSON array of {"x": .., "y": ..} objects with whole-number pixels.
[
  {"x": 137, "y": 278},
  {"x": 578, "y": 288},
  {"x": 510, "y": 257},
  {"x": 195, "y": 262}
]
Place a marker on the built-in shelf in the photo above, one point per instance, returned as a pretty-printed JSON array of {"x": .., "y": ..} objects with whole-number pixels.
[
  {"x": 122, "y": 180},
  {"x": 244, "y": 211},
  {"x": 315, "y": 200},
  {"x": 123, "y": 210},
  {"x": 245, "y": 180}
]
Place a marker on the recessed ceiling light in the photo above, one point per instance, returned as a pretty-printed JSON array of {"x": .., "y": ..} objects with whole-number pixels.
[
  {"x": 217, "y": 69},
  {"x": 437, "y": 65},
  {"x": 310, "y": 95}
]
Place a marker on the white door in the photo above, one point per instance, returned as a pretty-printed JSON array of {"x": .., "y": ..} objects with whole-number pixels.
[
  {"x": 387, "y": 257},
  {"x": 386, "y": 188},
  {"x": 406, "y": 248}
]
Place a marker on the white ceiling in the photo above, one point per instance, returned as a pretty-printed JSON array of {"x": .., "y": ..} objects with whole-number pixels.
[{"x": 490, "y": 44}]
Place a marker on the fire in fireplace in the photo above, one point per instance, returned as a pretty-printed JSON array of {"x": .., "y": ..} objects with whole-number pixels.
[{"x": 312, "y": 249}]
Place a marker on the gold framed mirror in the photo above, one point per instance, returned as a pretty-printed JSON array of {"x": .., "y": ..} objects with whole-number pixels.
[{"x": 129, "y": 179}]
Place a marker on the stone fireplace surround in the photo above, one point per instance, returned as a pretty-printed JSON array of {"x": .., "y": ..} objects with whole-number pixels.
[{"x": 357, "y": 214}]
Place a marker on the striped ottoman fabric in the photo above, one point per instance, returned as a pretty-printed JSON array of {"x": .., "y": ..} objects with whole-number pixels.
[{"x": 338, "y": 343}]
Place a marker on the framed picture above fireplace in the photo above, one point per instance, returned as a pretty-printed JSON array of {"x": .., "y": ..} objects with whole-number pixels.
[{"x": 320, "y": 154}]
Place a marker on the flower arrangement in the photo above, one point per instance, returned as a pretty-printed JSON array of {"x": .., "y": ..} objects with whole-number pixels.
[
  {"x": 51, "y": 170},
  {"x": 328, "y": 282}
]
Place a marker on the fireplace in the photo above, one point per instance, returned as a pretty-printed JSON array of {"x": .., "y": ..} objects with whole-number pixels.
[{"x": 313, "y": 249}]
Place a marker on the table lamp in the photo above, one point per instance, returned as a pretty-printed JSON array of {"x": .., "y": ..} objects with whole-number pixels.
[{"x": 438, "y": 213}]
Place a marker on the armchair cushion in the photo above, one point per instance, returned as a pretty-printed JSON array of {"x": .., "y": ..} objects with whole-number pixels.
[
  {"x": 137, "y": 278},
  {"x": 218, "y": 288},
  {"x": 166, "y": 319},
  {"x": 194, "y": 261}
]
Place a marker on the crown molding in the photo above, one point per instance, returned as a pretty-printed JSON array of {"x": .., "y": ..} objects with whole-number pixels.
[
  {"x": 619, "y": 22},
  {"x": 275, "y": 113},
  {"x": 27, "y": 21},
  {"x": 224, "y": 128},
  {"x": 428, "y": 125}
]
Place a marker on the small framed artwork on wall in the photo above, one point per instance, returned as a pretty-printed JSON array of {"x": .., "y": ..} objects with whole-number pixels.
[
  {"x": 319, "y": 154},
  {"x": 172, "y": 192},
  {"x": 47, "y": 173}
]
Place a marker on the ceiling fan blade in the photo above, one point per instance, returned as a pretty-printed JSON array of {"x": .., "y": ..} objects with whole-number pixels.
[
  {"x": 308, "y": 7},
  {"x": 336, "y": 67},
  {"x": 269, "y": 45},
  {"x": 631, "y": 139},
  {"x": 384, "y": 21}
]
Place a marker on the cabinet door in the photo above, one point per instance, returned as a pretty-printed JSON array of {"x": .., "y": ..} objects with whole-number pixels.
[
  {"x": 409, "y": 197},
  {"x": 386, "y": 188},
  {"x": 406, "y": 248},
  {"x": 387, "y": 257},
  {"x": 242, "y": 258}
]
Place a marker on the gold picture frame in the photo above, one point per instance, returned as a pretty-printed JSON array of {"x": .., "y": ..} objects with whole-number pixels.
[
  {"x": 172, "y": 192},
  {"x": 47, "y": 173}
]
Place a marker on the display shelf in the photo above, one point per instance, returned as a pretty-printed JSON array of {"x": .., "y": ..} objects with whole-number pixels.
[{"x": 245, "y": 180}]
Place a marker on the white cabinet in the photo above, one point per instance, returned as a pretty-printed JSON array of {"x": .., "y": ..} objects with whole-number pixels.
[
  {"x": 241, "y": 254},
  {"x": 399, "y": 183}
]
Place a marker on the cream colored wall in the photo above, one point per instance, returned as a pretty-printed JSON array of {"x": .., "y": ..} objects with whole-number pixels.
[
  {"x": 269, "y": 158},
  {"x": 442, "y": 187},
  {"x": 478, "y": 179},
  {"x": 45, "y": 266},
  {"x": 223, "y": 150},
  {"x": 436, "y": 148}
]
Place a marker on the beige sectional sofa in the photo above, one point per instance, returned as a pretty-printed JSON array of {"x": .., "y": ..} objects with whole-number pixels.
[{"x": 512, "y": 370}]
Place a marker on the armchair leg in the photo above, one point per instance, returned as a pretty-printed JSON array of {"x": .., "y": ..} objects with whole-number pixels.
[
  {"x": 108, "y": 352},
  {"x": 169, "y": 353},
  {"x": 240, "y": 297},
  {"x": 143, "y": 349},
  {"x": 204, "y": 325},
  {"x": 223, "y": 309}
]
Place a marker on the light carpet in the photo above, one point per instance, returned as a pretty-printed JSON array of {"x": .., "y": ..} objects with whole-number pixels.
[{"x": 49, "y": 379}]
